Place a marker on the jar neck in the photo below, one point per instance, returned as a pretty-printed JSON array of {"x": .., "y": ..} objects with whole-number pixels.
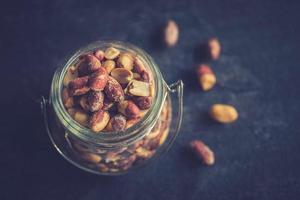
[{"x": 111, "y": 139}]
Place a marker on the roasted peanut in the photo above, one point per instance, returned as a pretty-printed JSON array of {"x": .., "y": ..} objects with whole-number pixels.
[
  {"x": 143, "y": 152},
  {"x": 144, "y": 102},
  {"x": 107, "y": 104},
  {"x": 171, "y": 33},
  {"x": 91, "y": 157},
  {"x": 206, "y": 77},
  {"x": 99, "y": 120},
  {"x": 88, "y": 63},
  {"x": 99, "y": 54},
  {"x": 139, "y": 66},
  {"x": 214, "y": 48},
  {"x": 138, "y": 88},
  {"x": 79, "y": 86},
  {"x": 70, "y": 75},
  {"x": 126, "y": 61},
  {"x": 122, "y": 75},
  {"x": 203, "y": 151},
  {"x": 131, "y": 122},
  {"x": 95, "y": 100},
  {"x": 98, "y": 80},
  {"x": 223, "y": 113},
  {"x": 113, "y": 90},
  {"x": 84, "y": 103},
  {"x": 81, "y": 117},
  {"x": 117, "y": 123},
  {"x": 109, "y": 65},
  {"x": 67, "y": 100},
  {"x": 129, "y": 109},
  {"x": 111, "y": 53}
]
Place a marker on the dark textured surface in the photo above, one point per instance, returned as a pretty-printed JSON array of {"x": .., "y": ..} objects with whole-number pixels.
[{"x": 256, "y": 158}]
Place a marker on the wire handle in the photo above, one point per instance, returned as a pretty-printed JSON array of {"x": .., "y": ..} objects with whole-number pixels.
[{"x": 176, "y": 87}]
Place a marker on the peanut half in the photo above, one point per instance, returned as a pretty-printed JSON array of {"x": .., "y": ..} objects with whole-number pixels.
[
  {"x": 223, "y": 113},
  {"x": 122, "y": 75},
  {"x": 126, "y": 61},
  {"x": 111, "y": 53},
  {"x": 138, "y": 88}
]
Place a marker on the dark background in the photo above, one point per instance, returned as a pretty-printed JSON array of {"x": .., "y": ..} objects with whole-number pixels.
[{"x": 256, "y": 158}]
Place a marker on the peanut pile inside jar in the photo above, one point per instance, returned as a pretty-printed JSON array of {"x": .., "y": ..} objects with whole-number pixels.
[{"x": 108, "y": 90}]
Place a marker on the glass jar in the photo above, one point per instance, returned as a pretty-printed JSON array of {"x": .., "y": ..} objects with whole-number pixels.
[{"x": 114, "y": 152}]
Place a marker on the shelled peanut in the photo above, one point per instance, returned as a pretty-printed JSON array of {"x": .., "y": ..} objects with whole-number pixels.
[{"x": 107, "y": 88}]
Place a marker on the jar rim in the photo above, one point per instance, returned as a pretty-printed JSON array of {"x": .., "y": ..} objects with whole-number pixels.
[{"x": 117, "y": 138}]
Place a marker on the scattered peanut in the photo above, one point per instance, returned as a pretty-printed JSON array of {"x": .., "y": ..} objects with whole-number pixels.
[
  {"x": 206, "y": 77},
  {"x": 171, "y": 33},
  {"x": 223, "y": 113},
  {"x": 203, "y": 151},
  {"x": 214, "y": 48}
]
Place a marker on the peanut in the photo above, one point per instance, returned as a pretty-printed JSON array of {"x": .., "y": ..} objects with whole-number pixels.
[
  {"x": 113, "y": 90},
  {"x": 99, "y": 54},
  {"x": 81, "y": 117},
  {"x": 214, "y": 48},
  {"x": 138, "y": 88},
  {"x": 99, "y": 120},
  {"x": 70, "y": 75},
  {"x": 223, "y": 113},
  {"x": 203, "y": 151},
  {"x": 171, "y": 33},
  {"x": 129, "y": 109},
  {"x": 79, "y": 86},
  {"x": 98, "y": 80},
  {"x": 126, "y": 61},
  {"x": 206, "y": 77},
  {"x": 111, "y": 53},
  {"x": 109, "y": 65},
  {"x": 95, "y": 100},
  {"x": 122, "y": 75},
  {"x": 144, "y": 102}
]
